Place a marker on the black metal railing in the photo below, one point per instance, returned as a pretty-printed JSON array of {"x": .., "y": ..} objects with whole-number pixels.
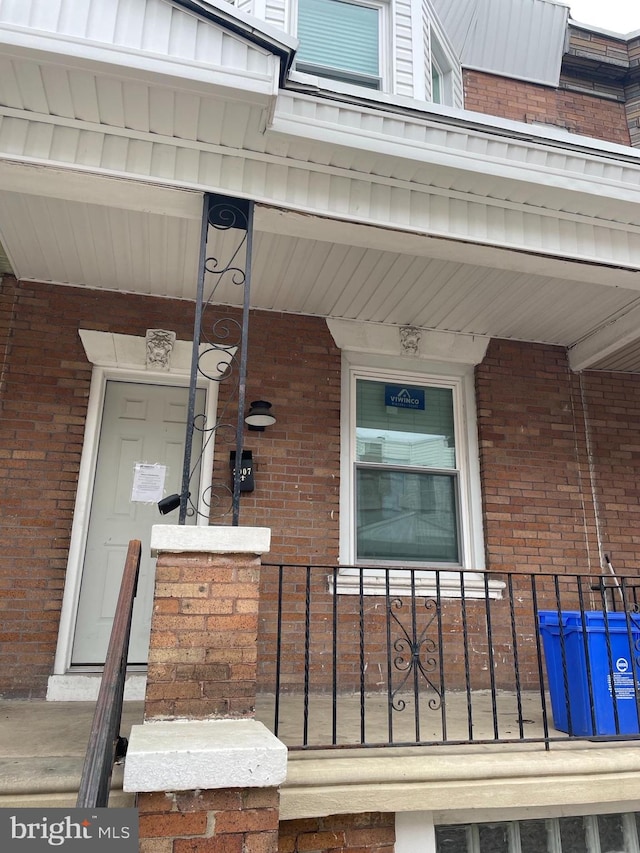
[
  {"x": 446, "y": 657},
  {"x": 105, "y": 744}
]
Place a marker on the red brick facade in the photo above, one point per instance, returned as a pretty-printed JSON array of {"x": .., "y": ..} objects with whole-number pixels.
[
  {"x": 225, "y": 821},
  {"x": 361, "y": 833},
  {"x": 203, "y": 654},
  {"x": 578, "y": 112},
  {"x": 536, "y": 422},
  {"x": 45, "y": 388}
]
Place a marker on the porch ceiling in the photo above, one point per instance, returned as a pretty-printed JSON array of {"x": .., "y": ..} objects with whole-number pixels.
[{"x": 145, "y": 241}]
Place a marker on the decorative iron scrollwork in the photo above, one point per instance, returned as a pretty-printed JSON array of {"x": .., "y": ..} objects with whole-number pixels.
[
  {"x": 220, "y": 350},
  {"x": 417, "y": 654}
]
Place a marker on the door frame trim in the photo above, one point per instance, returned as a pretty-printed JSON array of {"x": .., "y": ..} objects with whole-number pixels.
[{"x": 111, "y": 368}]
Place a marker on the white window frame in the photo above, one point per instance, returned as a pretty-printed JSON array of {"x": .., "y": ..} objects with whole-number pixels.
[
  {"x": 470, "y": 513},
  {"x": 461, "y": 380},
  {"x": 444, "y": 68},
  {"x": 307, "y": 69}
]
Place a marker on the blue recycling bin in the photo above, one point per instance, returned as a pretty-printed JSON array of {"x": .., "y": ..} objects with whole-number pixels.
[{"x": 571, "y": 705}]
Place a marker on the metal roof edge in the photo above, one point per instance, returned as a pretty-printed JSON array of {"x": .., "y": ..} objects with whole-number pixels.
[{"x": 592, "y": 28}]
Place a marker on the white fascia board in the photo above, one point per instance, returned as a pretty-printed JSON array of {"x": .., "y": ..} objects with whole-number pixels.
[
  {"x": 89, "y": 55},
  {"x": 613, "y": 337},
  {"x": 252, "y": 24},
  {"x": 403, "y": 147},
  {"x": 404, "y": 108}
]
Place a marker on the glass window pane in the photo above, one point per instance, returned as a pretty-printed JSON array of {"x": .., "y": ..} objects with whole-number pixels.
[
  {"x": 494, "y": 838},
  {"x": 339, "y": 35},
  {"x": 572, "y": 835},
  {"x": 436, "y": 80},
  {"x": 533, "y": 836},
  {"x": 405, "y": 425},
  {"x": 451, "y": 839},
  {"x": 406, "y": 516},
  {"x": 611, "y": 833}
]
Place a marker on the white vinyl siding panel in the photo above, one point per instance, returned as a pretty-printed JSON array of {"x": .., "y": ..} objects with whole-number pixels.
[
  {"x": 276, "y": 12},
  {"x": 405, "y": 47},
  {"x": 154, "y": 27}
]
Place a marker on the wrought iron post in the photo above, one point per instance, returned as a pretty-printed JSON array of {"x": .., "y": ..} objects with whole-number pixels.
[{"x": 227, "y": 339}]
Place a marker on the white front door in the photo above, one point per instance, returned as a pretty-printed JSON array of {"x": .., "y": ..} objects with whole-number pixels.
[{"x": 142, "y": 423}]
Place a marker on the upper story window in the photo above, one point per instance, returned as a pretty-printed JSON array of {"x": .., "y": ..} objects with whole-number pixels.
[
  {"x": 342, "y": 40},
  {"x": 441, "y": 74}
]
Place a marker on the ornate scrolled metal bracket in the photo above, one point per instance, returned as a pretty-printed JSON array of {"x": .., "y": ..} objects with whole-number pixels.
[
  {"x": 416, "y": 655},
  {"x": 219, "y": 351}
]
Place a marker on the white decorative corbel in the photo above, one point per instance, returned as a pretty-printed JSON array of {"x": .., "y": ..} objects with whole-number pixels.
[
  {"x": 159, "y": 346},
  {"x": 410, "y": 340}
]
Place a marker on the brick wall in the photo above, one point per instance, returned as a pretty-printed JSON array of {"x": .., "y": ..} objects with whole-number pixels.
[
  {"x": 613, "y": 405},
  {"x": 369, "y": 832},
  {"x": 224, "y": 821},
  {"x": 202, "y": 654},
  {"x": 586, "y": 114},
  {"x": 539, "y": 514},
  {"x": 44, "y": 394}
]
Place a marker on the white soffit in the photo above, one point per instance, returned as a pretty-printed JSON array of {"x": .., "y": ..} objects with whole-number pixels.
[
  {"x": 515, "y": 38},
  {"x": 73, "y": 242},
  {"x": 343, "y": 271}
]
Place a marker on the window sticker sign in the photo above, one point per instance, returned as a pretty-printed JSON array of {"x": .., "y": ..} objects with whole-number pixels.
[
  {"x": 148, "y": 482},
  {"x": 404, "y": 397}
]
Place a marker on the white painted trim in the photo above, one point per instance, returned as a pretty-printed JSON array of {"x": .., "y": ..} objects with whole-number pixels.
[
  {"x": 384, "y": 339},
  {"x": 214, "y": 540},
  {"x": 246, "y": 84},
  {"x": 119, "y": 358},
  {"x": 84, "y": 687},
  {"x": 73, "y": 575},
  {"x": 375, "y": 350},
  {"x": 415, "y": 832},
  {"x": 185, "y": 755},
  {"x": 608, "y": 340},
  {"x": 603, "y": 239},
  {"x": 412, "y": 371},
  {"x": 424, "y": 584}
]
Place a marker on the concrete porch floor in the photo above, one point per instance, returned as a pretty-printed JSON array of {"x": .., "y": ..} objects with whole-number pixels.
[{"x": 42, "y": 744}]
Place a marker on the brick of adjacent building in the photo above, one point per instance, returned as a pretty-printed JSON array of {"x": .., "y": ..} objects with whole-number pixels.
[{"x": 584, "y": 113}]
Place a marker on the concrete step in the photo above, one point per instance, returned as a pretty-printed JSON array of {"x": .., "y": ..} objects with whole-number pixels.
[{"x": 42, "y": 747}]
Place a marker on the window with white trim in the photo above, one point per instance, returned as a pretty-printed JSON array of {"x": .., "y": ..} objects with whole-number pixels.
[
  {"x": 342, "y": 40},
  {"x": 441, "y": 74},
  {"x": 407, "y": 489},
  {"x": 411, "y": 477}
]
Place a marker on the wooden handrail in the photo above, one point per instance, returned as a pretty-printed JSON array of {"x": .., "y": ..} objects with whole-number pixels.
[{"x": 104, "y": 737}]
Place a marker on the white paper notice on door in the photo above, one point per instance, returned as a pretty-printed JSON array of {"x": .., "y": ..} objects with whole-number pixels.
[{"x": 148, "y": 482}]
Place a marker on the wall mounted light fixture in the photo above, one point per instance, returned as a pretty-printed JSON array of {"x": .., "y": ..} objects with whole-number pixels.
[
  {"x": 170, "y": 503},
  {"x": 259, "y": 416}
]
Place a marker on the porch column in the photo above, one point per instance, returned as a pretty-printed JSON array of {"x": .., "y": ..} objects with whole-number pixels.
[{"x": 205, "y": 771}]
